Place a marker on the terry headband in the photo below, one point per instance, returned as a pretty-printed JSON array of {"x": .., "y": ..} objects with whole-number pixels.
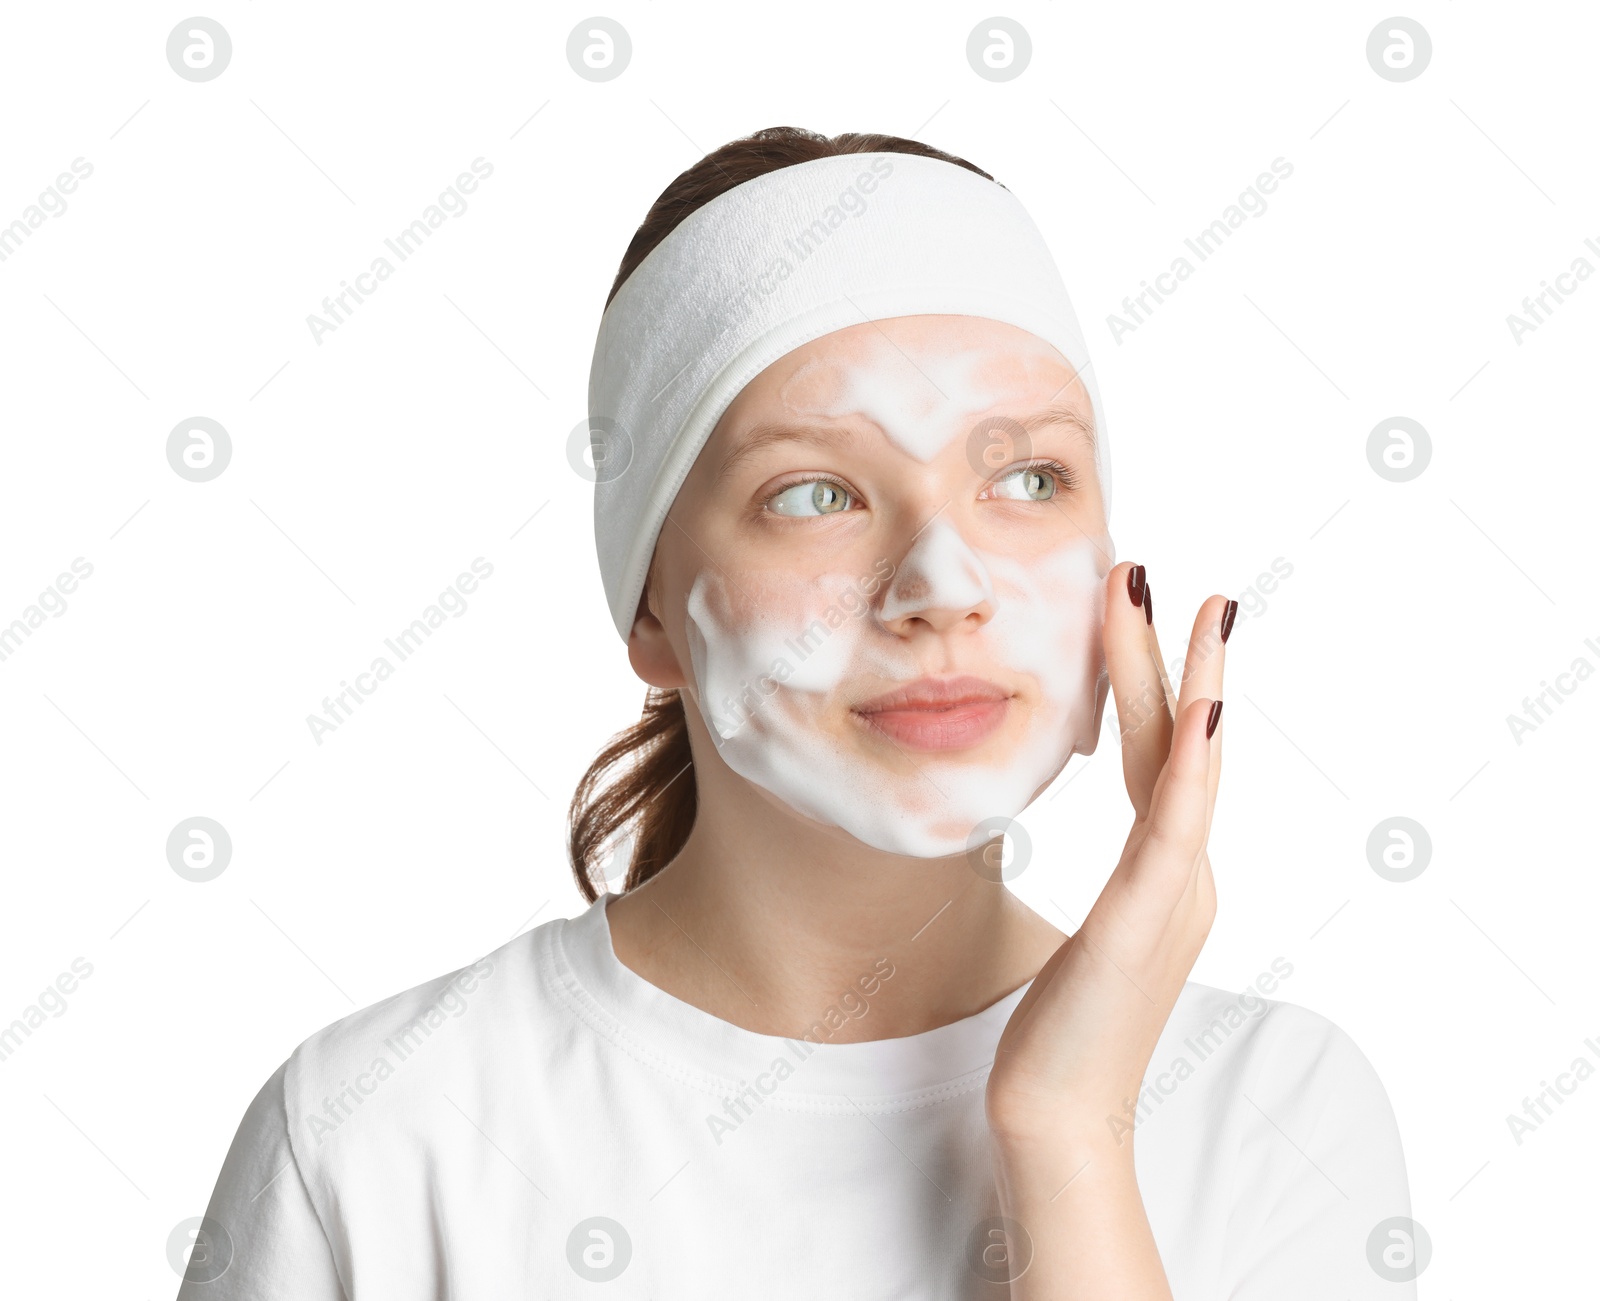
[{"x": 770, "y": 265}]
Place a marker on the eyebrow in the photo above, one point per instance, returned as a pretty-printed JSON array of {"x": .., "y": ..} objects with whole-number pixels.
[
  {"x": 1058, "y": 413},
  {"x": 770, "y": 434},
  {"x": 767, "y": 435}
]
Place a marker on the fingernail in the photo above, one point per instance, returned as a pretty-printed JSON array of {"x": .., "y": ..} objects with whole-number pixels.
[
  {"x": 1212, "y": 719},
  {"x": 1136, "y": 584},
  {"x": 1228, "y": 611},
  {"x": 1149, "y": 616}
]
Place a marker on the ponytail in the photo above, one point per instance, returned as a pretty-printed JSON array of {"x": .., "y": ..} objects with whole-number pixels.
[{"x": 655, "y": 794}]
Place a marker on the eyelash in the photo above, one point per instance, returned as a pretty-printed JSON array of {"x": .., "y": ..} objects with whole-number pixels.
[
  {"x": 1064, "y": 476},
  {"x": 805, "y": 478}
]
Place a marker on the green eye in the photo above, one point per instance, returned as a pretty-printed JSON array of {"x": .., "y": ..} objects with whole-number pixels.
[
  {"x": 1036, "y": 482},
  {"x": 813, "y": 497}
]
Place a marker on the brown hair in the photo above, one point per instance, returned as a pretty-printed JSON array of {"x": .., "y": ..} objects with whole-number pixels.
[{"x": 655, "y": 788}]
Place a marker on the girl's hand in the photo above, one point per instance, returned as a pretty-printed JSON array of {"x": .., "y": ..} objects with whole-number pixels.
[{"x": 1071, "y": 1061}]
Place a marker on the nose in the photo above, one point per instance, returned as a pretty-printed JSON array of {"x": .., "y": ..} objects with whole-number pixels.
[{"x": 940, "y": 581}]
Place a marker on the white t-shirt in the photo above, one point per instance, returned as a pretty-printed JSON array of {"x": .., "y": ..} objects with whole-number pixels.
[{"x": 546, "y": 1119}]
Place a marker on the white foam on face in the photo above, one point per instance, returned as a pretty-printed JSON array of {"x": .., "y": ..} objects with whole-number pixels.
[
  {"x": 769, "y": 680},
  {"x": 911, "y": 400},
  {"x": 906, "y": 406},
  {"x": 940, "y": 572},
  {"x": 778, "y": 658}
]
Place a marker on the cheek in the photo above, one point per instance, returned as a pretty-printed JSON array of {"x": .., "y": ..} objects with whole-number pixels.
[
  {"x": 789, "y": 642},
  {"x": 1049, "y": 618},
  {"x": 732, "y": 654}
]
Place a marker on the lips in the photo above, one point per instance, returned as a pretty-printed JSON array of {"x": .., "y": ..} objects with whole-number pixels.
[{"x": 938, "y": 713}]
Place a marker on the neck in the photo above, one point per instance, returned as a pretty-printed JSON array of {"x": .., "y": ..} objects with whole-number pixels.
[{"x": 768, "y": 922}]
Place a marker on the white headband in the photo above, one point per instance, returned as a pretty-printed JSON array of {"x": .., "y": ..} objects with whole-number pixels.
[{"x": 770, "y": 265}]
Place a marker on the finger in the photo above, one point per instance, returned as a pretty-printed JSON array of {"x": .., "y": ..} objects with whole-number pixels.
[
  {"x": 1180, "y": 817},
  {"x": 1203, "y": 666},
  {"x": 1143, "y": 721},
  {"x": 1204, "y": 659},
  {"x": 1157, "y": 880},
  {"x": 1200, "y": 878},
  {"x": 1155, "y": 655},
  {"x": 1214, "y": 775}
]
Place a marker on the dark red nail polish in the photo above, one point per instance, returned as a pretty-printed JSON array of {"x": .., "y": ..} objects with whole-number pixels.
[
  {"x": 1136, "y": 584},
  {"x": 1212, "y": 719},
  {"x": 1228, "y": 611},
  {"x": 1149, "y": 614}
]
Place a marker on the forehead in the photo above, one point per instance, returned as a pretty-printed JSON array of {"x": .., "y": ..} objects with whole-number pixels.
[{"x": 916, "y": 376}]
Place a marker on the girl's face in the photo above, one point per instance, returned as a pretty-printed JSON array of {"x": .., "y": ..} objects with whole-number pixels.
[{"x": 883, "y": 581}]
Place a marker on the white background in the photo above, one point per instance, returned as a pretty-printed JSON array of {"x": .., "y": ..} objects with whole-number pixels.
[{"x": 430, "y": 428}]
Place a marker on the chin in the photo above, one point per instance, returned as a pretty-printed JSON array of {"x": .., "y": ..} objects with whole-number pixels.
[{"x": 833, "y": 769}]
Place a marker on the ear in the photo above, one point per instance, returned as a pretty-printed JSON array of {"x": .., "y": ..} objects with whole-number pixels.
[{"x": 651, "y": 653}]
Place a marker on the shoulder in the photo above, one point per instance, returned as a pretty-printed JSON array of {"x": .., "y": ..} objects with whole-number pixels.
[
  {"x": 378, "y": 1061},
  {"x": 1263, "y": 1041},
  {"x": 1285, "y": 1096},
  {"x": 1274, "y": 1110},
  {"x": 1248, "y": 1069},
  {"x": 346, "y": 1124},
  {"x": 406, "y": 1021}
]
